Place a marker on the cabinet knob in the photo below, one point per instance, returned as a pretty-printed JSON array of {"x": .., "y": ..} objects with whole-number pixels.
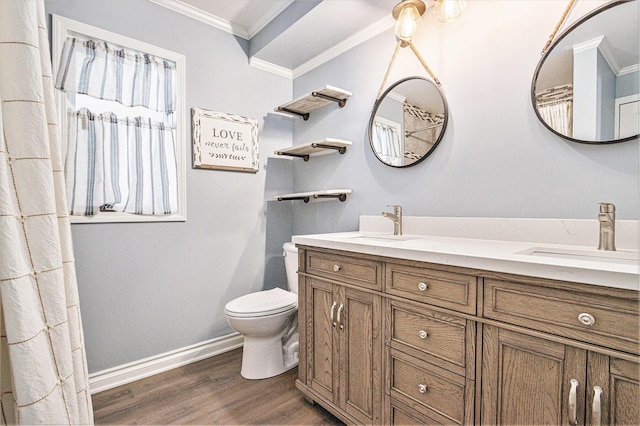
[
  {"x": 423, "y": 334},
  {"x": 336, "y": 268},
  {"x": 422, "y": 286},
  {"x": 422, "y": 388},
  {"x": 586, "y": 319}
]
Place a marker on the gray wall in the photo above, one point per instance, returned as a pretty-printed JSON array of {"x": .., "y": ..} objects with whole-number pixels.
[
  {"x": 496, "y": 159},
  {"x": 150, "y": 288},
  {"x": 146, "y": 289},
  {"x": 628, "y": 84}
]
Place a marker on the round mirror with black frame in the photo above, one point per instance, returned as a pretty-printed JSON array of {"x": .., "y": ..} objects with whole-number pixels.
[
  {"x": 586, "y": 86},
  {"x": 408, "y": 122}
]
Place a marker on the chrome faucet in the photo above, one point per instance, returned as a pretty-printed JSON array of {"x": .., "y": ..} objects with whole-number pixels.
[
  {"x": 607, "y": 219},
  {"x": 396, "y": 218}
]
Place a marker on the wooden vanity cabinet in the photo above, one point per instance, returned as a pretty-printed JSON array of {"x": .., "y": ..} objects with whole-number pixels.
[
  {"x": 389, "y": 341},
  {"x": 430, "y": 368},
  {"x": 619, "y": 380},
  {"x": 341, "y": 325},
  {"x": 551, "y": 372}
]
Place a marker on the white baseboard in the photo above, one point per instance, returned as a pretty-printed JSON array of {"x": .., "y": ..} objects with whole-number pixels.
[{"x": 127, "y": 373}]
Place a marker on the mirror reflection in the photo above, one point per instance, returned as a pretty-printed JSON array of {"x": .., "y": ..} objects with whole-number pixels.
[
  {"x": 408, "y": 122},
  {"x": 586, "y": 87}
]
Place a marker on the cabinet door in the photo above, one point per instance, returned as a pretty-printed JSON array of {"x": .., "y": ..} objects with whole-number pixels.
[
  {"x": 619, "y": 380},
  {"x": 527, "y": 380},
  {"x": 322, "y": 340},
  {"x": 360, "y": 330}
]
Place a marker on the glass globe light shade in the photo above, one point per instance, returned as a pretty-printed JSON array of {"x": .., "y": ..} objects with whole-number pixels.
[
  {"x": 448, "y": 10},
  {"x": 408, "y": 23}
]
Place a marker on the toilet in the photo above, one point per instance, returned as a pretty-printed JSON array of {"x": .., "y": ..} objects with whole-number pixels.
[{"x": 269, "y": 322}]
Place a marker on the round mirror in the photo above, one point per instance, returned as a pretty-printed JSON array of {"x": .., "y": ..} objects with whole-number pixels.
[
  {"x": 586, "y": 86},
  {"x": 408, "y": 122}
]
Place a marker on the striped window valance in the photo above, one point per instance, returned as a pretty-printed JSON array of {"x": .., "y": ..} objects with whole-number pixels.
[
  {"x": 108, "y": 72},
  {"x": 120, "y": 164}
]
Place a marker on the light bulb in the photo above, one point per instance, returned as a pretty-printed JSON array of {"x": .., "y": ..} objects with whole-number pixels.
[
  {"x": 408, "y": 23},
  {"x": 448, "y": 10}
]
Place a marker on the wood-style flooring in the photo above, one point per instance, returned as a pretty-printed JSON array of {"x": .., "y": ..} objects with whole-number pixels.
[{"x": 209, "y": 392}]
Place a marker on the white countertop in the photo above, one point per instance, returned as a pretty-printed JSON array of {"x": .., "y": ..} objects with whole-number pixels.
[{"x": 581, "y": 264}]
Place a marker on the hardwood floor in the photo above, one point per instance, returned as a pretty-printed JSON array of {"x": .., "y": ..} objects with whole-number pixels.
[{"x": 210, "y": 391}]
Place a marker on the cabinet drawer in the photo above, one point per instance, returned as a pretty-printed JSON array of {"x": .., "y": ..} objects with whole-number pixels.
[
  {"x": 429, "y": 335},
  {"x": 351, "y": 270},
  {"x": 607, "y": 320},
  {"x": 439, "y": 288},
  {"x": 402, "y": 415},
  {"x": 428, "y": 388}
]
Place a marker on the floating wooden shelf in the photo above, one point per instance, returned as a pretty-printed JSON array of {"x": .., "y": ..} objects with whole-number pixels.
[
  {"x": 322, "y": 147},
  {"x": 340, "y": 194},
  {"x": 315, "y": 100}
]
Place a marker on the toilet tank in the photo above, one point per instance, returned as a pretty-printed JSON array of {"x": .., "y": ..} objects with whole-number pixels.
[{"x": 290, "y": 253}]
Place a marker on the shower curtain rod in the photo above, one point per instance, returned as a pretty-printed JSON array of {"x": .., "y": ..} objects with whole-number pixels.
[{"x": 409, "y": 133}]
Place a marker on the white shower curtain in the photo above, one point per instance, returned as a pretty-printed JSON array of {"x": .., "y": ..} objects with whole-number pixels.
[
  {"x": 387, "y": 144},
  {"x": 43, "y": 369},
  {"x": 558, "y": 115}
]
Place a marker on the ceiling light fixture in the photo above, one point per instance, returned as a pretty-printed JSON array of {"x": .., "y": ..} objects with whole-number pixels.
[
  {"x": 448, "y": 10},
  {"x": 408, "y": 16}
]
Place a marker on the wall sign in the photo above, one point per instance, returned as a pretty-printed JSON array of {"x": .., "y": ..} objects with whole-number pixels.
[{"x": 224, "y": 141}]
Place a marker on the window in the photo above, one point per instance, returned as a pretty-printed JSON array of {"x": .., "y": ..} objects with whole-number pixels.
[{"x": 121, "y": 107}]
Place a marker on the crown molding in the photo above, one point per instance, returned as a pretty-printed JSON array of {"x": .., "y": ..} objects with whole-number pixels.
[
  {"x": 603, "y": 46},
  {"x": 329, "y": 54},
  {"x": 267, "y": 17},
  {"x": 202, "y": 16},
  {"x": 360, "y": 37},
  {"x": 269, "y": 67},
  {"x": 630, "y": 69}
]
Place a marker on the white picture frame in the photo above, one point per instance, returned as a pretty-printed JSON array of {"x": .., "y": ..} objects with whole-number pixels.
[{"x": 224, "y": 141}]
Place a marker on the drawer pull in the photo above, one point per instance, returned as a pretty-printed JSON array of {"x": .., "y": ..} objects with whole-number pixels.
[
  {"x": 340, "y": 310},
  {"x": 422, "y": 286},
  {"x": 336, "y": 268},
  {"x": 422, "y": 388},
  {"x": 586, "y": 319},
  {"x": 573, "y": 410},
  {"x": 596, "y": 409},
  {"x": 423, "y": 334}
]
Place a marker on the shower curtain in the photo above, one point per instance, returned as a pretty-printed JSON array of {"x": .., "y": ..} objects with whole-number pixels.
[
  {"x": 558, "y": 115},
  {"x": 387, "y": 144},
  {"x": 43, "y": 369}
]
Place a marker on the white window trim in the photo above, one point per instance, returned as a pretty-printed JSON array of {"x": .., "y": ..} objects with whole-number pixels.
[{"x": 62, "y": 28}]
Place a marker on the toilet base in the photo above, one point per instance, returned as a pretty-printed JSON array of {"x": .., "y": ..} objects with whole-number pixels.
[{"x": 263, "y": 357}]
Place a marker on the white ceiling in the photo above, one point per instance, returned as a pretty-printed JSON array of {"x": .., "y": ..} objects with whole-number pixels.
[{"x": 311, "y": 32}]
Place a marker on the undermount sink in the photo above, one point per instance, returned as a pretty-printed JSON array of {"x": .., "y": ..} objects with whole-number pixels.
[{"x": 626, "y": 257}]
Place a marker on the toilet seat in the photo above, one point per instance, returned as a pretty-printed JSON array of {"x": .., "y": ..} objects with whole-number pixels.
[{"x": 262, "y": 303}]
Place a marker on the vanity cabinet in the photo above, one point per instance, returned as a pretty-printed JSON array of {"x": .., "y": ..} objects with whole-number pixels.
[
  {"x": 559, "y": 376},
  {"x": 341, "y": 327},
  {"x": 430, "y": 369},
  {"x": 391, "y": 341}
]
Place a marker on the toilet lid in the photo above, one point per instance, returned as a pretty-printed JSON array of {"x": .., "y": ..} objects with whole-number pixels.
[{"x": 262, "y": 303}]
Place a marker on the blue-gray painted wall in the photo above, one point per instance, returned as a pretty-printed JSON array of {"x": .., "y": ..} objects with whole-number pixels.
[
  {"x": 146, "y": 289},
  {"x": 150, "y": 288},
  {"x": 496, "y": 158}
]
